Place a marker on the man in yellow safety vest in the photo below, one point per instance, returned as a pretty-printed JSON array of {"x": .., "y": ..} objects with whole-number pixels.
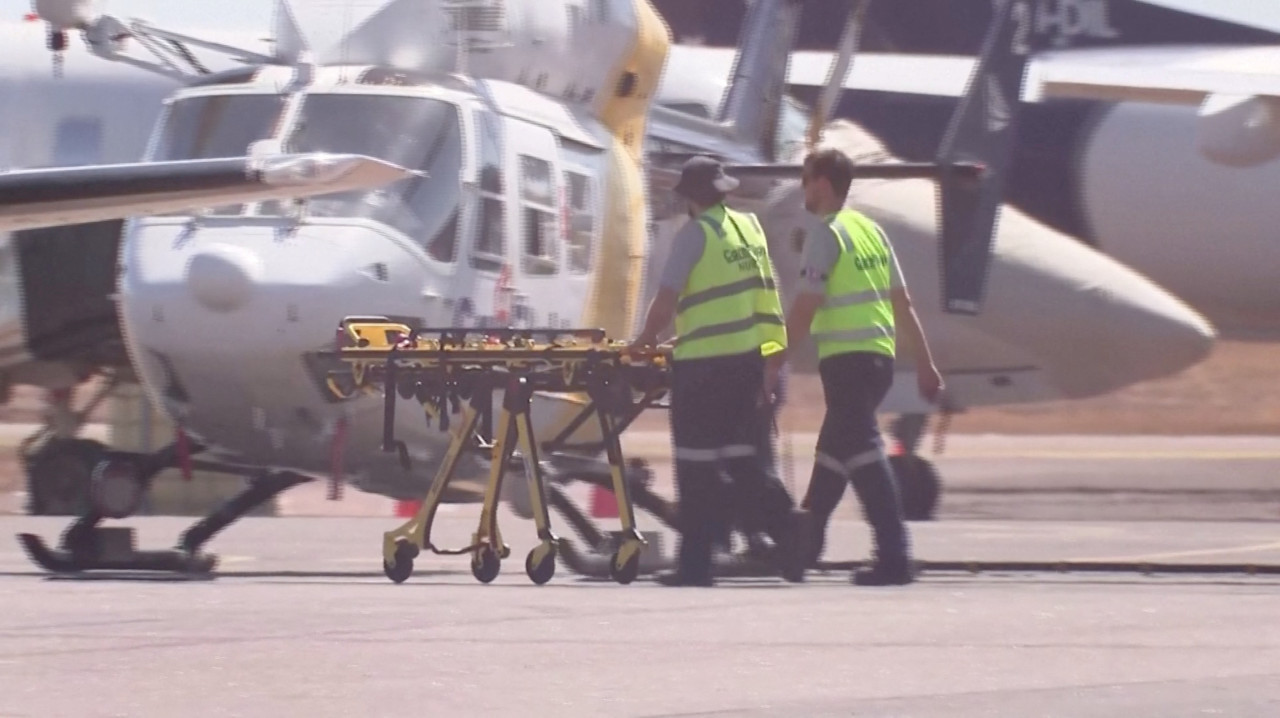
[
  {"x": 719, "y": 285},
  {"x": 854, "y": 302}
]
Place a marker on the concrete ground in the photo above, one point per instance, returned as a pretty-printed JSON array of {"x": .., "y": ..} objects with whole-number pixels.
[
  {"x": 345, "y": 641},
  {"x": 301, "y": 620},
  {"x": 1006, "y": 477}
]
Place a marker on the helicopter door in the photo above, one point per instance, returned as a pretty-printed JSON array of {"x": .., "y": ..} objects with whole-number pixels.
[{"x": 535, "y": 197}]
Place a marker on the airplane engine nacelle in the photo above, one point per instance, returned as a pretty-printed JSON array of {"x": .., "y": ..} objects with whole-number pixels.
[
  {"x": 65, "y": 14},
  {"x": 1239, "y": 131}
]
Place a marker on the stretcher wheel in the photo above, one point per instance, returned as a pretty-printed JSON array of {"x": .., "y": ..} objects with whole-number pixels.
[
  {"x": 542, "y": 571},
  {"x": 485, "y": 564},
  {"x": 403, "y": 568},
  {"x": 629, "y": 570}
]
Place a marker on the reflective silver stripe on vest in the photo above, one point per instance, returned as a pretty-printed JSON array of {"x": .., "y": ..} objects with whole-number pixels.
[
  {"x": 727, "y": 290},
  {"x": 739, "y": 325},
  {"x": 854, "y": 335},
  {"x": 735, "y": 451},
  {"x": 851, "y": 298},
  {"x": 842, "y": 234}
]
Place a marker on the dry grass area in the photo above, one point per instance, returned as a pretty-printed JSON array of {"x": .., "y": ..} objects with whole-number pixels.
[{"x": 1236, "y": 391}]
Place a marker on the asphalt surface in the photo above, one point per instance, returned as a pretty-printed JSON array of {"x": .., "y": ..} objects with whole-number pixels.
[{"x": 301, "y": 621}]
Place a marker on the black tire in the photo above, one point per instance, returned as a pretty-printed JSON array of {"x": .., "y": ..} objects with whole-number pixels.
[
  {"x": 60, "y": 477},
  {"x": 629, "y": 570},
  {"x": 541, "y": 572},
  {"x": 485, "y": 565},
  {"x": 919, "y": 486},
  {"x": 403, "y": 568}
]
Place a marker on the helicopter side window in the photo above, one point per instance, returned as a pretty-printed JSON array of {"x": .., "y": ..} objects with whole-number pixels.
[
  {"x": 490, "y": 236},
  {"x": 414, "y": 132},
  {"x": 217, "y": 126},
  {"x": 582, "y": 221},
  {"x": 490, "y": 246},
  {"x": 537, "y": 195}
]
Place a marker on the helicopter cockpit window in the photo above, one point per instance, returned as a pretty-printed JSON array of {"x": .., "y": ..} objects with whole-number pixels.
[
  {"x": 217, "y": 126},
  {"x": 414, "y": 132},
  {"x": 537, "y": 195}
]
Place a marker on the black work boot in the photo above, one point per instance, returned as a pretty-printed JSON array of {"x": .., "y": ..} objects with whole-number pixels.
[
  {"x": 877, "y": 490},
  {"x": 792, "y": 546},
  {"x": 885, "y": 573}
]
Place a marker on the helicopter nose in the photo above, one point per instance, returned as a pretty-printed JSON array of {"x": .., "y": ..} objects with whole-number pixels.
[{"x": 222, "y": 277}]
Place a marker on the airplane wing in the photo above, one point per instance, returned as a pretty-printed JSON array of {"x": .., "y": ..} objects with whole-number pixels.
[
  {"x": 1178, "y": 74},
  {"x": 75, "y": 195},
  {"x": 1182, "y": 74},
  {"x": 882, "y": 72}
]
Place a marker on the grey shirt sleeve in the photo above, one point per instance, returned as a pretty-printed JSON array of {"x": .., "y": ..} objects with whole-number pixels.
[
  {"x": 821, "y": 250},
  {"x": 686, "y": 249}
]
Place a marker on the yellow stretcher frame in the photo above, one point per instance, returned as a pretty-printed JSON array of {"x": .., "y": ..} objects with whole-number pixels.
[{"x": 382, "y": 352}]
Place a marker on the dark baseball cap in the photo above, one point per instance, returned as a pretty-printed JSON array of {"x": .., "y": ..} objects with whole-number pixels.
[{"x": 703, "y": 180}]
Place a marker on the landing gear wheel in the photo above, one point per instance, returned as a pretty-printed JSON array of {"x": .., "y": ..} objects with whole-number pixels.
[
  {"x": 542, "y": 571},
  {"x": 485, "y": 564},
  {"x": 919, "y": 486},
  {"x": 116, "y": 488},
  {"x": 629, "y": 570},
  {"x": 403, "y": 568},
  {"x": 59, "y": 476}
]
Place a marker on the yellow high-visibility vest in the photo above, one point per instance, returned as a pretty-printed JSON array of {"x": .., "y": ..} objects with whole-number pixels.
[
  {"x": 730, "y": 304},
  {"x": 857, "y": 314}
]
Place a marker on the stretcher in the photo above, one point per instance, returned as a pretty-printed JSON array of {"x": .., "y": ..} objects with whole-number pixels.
[{"x": 457, "y": 371}]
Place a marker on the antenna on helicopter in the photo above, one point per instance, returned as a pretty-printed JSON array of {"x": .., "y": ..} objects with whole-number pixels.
[{"x": 61, "y": 16}]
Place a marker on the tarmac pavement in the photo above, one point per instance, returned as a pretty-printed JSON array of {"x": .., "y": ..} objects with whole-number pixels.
[{"x": 301, "y": 621}]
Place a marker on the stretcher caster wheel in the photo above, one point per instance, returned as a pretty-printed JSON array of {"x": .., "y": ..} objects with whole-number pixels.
[
  {"x": 485, "y": 565},
  {"x": 629, "y": 570},
  {"x": 541, "y": 571},
  {"x": 403, "y": 568}
]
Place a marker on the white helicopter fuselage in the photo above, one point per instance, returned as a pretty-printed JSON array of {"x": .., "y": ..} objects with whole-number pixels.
[{"x": 226, "y": 313}]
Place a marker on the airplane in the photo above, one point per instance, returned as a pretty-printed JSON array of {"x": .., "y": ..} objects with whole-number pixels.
[
  {"x": 1144, "y": 103},
  {"x": 544, "y": 192}
]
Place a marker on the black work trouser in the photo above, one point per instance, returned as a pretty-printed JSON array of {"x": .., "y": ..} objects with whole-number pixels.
[
  {"x": 716, "y": 423},
  {"x": 744, "y": 518},
  {"x": 851, "y": 450}
]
